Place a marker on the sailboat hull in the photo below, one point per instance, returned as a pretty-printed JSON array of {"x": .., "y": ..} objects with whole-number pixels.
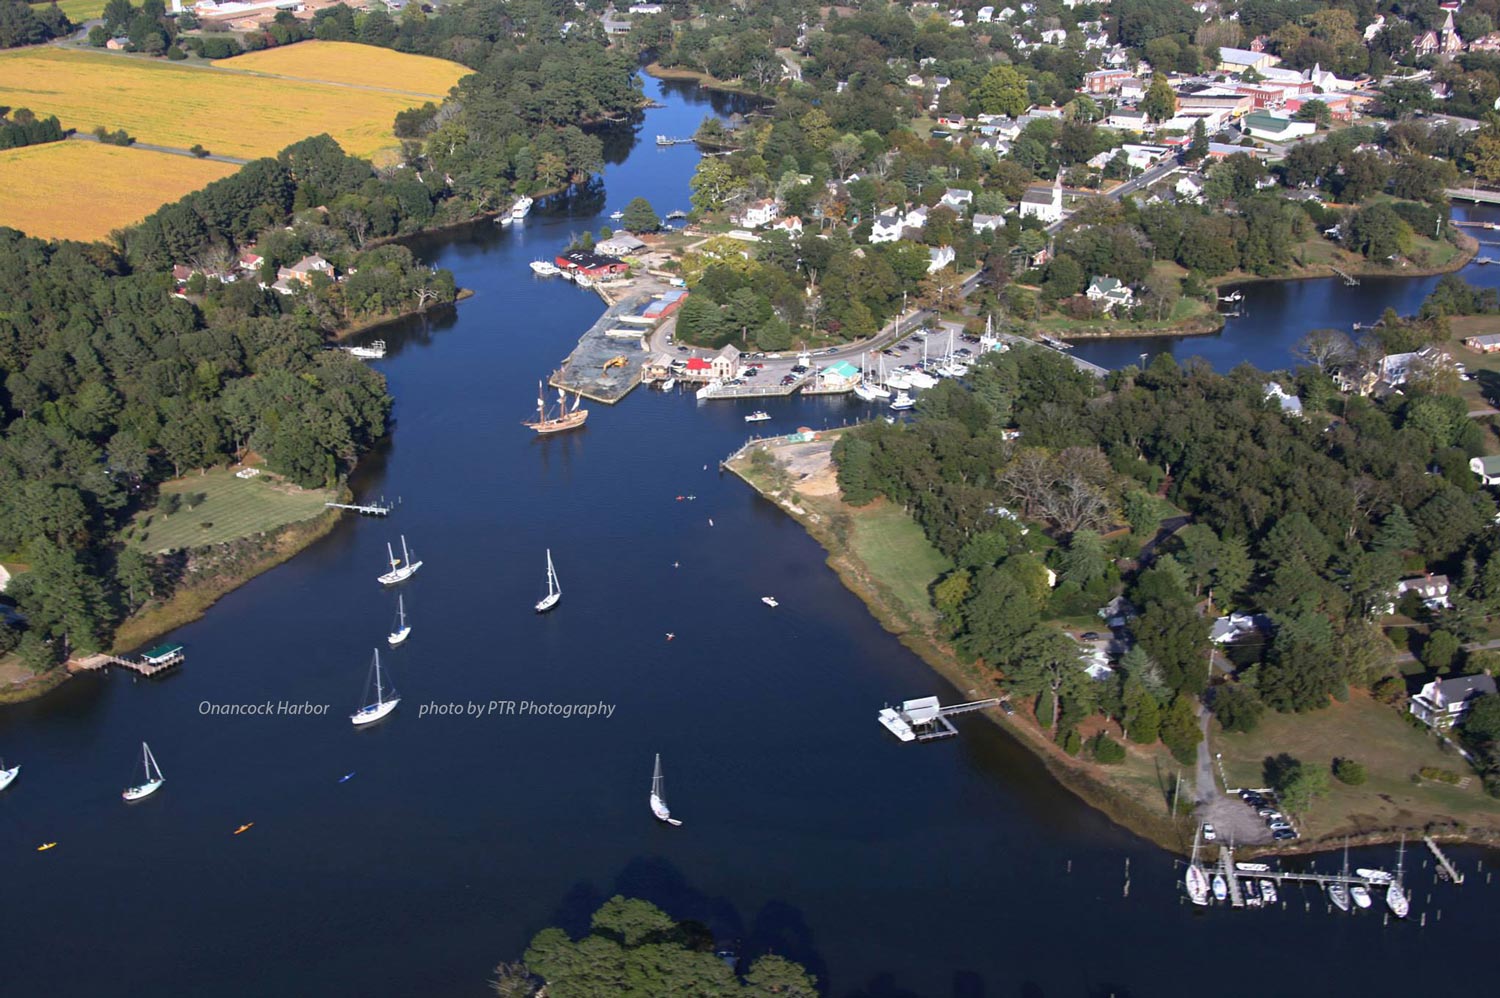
[
  {"x": 1197, "y": 885},
  {"x": 662, "y": 813},
  {"x": 569, "y": 421},
  {"x": 548, "y": 602},
  {"x": 374, "y": 712},
  {"x": 399, "y": 636},
  {"x": 143, "y": 791},
  {"x": 401, "y": 574},
  {"x": 8, "y": 776}
]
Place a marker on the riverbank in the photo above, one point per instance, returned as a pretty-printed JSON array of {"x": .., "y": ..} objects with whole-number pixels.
[
  {"x": 370, "y": 325},
  {"x": 703, "y": 80},
  {"x": 808, "y": 493},
  {"x": 1136, "y": 794}
]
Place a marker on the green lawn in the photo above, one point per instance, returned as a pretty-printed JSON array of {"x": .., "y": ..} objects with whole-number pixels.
[
  {"x": 234, "y": 508},
  {"x": 897, "y": 553},
  {"x": 79, "y": 11},
  {"x": 1391, "y": 751}
]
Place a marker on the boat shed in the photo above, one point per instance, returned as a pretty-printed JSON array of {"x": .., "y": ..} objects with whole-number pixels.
[
  {"x": 162, "y": 654},
  {"x": 664, "y": 306}
]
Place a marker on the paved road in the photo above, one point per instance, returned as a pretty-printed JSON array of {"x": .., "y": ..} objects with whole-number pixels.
[{"x": 169, "y": 150}]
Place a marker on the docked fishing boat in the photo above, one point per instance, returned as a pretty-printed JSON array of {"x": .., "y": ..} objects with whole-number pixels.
[
  {"x": 374, "y": 350},
  {"x": 1268, "y": 890},
  {"x": 1339, "y": 895},
  {"x": 659, "y": 796},
  {"x": 1221, "y": 887},
  {"x": 1374, "y": 876},
  {"x": 1361, "y": 895},
  {"x": 554, "y": 591},
  {"x": 563, "y": 419},
  {"x": 583, "y": 280},
  {"x": 384, "y": 702},
  {"x": 1252, "y": 867},
  {"x": 402, "y": 568},
  {"x": 758, "y": 416},
  {"x": 401, "y": 630},
  {"x": 545, "y": 268},
  {"x": 153, "y": 780},
  {"x": 902, "y": 402},
  {"x": 522, "y": 206},
  {"x": 8, "y": 776},
  {"x": 1250, "y": 894}
]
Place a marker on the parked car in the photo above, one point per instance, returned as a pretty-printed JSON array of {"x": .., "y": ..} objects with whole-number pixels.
[
  {"x": 751, "y": 372},
  {"x": 1283, "y": 835},
  {"x": 1209, "y": 834},
  {"x": 1266, "y": 811},
  {"x": 1005, "y": 706},
  {"x": 1092, "y": 636},
  {"x": 1280, "y": 826}
]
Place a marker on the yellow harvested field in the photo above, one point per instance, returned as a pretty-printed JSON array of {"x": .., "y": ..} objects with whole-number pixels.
[
  {"x": 349, "y": 63},
  {"x": 172, "y": 104},
  {"x": 83, "y": 190}
]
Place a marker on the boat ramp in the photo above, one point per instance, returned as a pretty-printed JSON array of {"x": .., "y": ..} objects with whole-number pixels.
[{"x": 925, "y": 719}]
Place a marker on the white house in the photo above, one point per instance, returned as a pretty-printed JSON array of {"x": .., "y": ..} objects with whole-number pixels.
[
  {"x": 1291, "y": 405},
  {"x": 1044, "y": 204},
  {"x": 985, "y": 15},
  {"x": 645, "y": 8},
  {"x": 791, "y": 225},
  {"x": 887, "y": 226},
  {"x": 1109, "y": 292},
  {"x": 1487, "y": 468},
  {"x": 939, "y": 257},
  {"x": 1433, "y": 589},
  {"x": 988, "y": 223},
  {"x": 1442, "y": 702},
  {"x": 957, "y": 198},
  {"x": 1127, "y": 119},
  {"x": 1054, "y": 37},
  {"x": 1190, "y": 188},
  {"x": 756, "y": 214}
]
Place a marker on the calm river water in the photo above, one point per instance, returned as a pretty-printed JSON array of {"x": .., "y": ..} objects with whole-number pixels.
[{"x": 951, "y": 869}]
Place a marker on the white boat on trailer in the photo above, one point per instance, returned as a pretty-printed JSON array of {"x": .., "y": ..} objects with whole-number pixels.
[
  {"x": 153, "y": 780},
  {"x": 659, "y": 796}
]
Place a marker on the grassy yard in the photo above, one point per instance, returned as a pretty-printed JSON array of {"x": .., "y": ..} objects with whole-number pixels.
[
  {"x": 79, "y": 11},
  {"x": 234, "y": 508},
  {"x": 42, "y": 187},
  {"x": 1391, "y": 751},
  {"x": 895, "y": 551}
]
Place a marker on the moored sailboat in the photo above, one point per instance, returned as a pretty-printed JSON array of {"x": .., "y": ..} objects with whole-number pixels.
[
  {"x": 385, "y": 699},
  {"x": 402, "y": 630},
  {"x": 402, "y": 568},
  {"x": 153, "y": 780},
  {"x": 8, "y": 776},
  {"x": 1195, "y": 880},
  {"x": 1395, "y": 894},
  {"x": 659, "y": 796},
  {"x": 554, "y": 591},
  {"x": 565, "y": 418}
]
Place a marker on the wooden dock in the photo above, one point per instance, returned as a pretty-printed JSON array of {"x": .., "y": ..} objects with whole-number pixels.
[
  {"x": 381, "y": 508},
  {"x": 1444, "y": 863},
  {"x": 93, "y": 663},
  {"x": 1349, "y": 279}
]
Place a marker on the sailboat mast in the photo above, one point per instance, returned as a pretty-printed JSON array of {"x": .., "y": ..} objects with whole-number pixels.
[
  {"x": 656, "y": 780},
  {"x": 390, "y": 555},
  {"x": 401, "y": 609},
  {"x": 379, "y": 690}
]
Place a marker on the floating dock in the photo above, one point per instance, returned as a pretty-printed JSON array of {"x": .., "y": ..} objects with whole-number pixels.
[
  {"x": 925, "y": 720},
  {"x": 381, "y": 508},
  {"x": 1443, "y": 862},
  {"x": 1233, "y": 876}
]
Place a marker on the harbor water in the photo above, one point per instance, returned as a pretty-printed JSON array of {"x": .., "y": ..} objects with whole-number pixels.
[{"x": 955, "y": 868}]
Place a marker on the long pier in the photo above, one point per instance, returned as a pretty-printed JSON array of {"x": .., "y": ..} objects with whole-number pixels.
[
  {"x": 1444, "y": 863},
  {"x": 381, "y": 508},
  {"x": 91, "y": 663},
  {"x": 1349, "y": 279},
  {"x": 1473, "y": 194}
]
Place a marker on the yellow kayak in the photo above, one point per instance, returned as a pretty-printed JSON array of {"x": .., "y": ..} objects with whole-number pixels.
[
  {"x": 45, "y": 846},
  {"x": 244, "y": 828}
]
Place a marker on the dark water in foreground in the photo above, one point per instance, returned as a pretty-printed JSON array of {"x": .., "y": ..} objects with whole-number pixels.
[{"x": 889, "y": 869}]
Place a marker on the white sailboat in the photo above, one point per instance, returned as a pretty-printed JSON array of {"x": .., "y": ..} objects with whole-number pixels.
[
  {"x": 659, "y": 796},
  {"x": 554, "y": 591},
  {"x": 1395, "y": 894},
  {"x": 154, "y": 778},
  {"x": 8, "y": 776},
  {"x": 402, "y": 568},
  {"x": 385, "y": 700},
  {"x": 402, "y": 630},
  {"x": 1195, "y": 880}
]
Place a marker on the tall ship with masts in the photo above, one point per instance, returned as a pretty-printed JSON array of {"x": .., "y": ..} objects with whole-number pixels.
[{"x": 563, "y": 418}]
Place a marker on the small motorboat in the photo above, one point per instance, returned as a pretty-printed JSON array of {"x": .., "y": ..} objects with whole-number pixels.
[
  {"x": 758, "y": 416},
  {"x": 346, "y": 777},
  {"x": 1268, "y": 890},
  {"x": 769, "y": 601},
  {"x": 1251, "y": 895},
  {"x": 1252, "y": 867},
  {"x": 1221, "y": 889},
  {"x": 1374, "y": 876},
  {"x": 902, "y": 402},
  {"x": 617, "y": 215},
  {"x": 544, "y": 268},
  {"x": 1361, "y": 895}
]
